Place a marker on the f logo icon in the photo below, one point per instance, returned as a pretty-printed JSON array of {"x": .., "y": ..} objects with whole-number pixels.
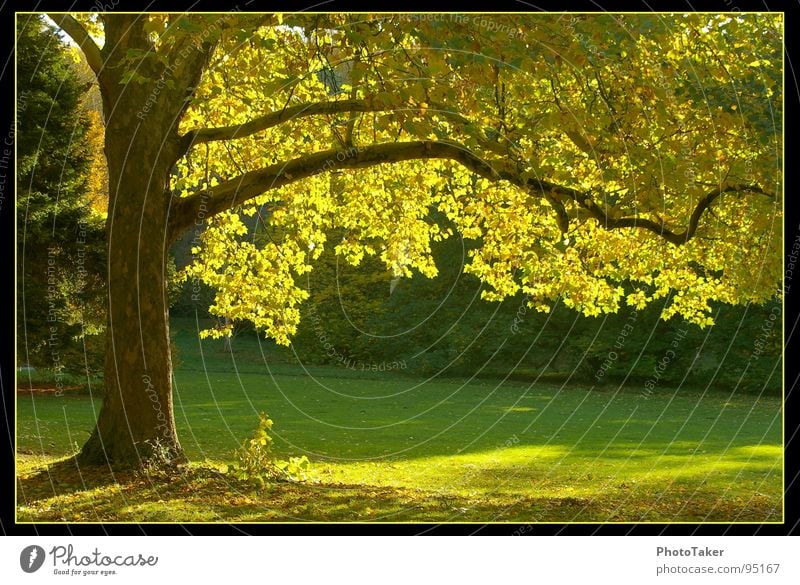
[{"x": 31, "y": 558}]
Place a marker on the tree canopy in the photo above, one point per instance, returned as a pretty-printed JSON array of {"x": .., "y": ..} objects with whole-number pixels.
[{"x": 562, "y": 143}]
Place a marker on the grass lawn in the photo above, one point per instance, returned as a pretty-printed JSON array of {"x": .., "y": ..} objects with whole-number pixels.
[{"x": 389, "y": 448}]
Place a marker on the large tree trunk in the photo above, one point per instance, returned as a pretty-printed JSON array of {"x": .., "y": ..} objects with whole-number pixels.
[{"x": 136, "y": 420}]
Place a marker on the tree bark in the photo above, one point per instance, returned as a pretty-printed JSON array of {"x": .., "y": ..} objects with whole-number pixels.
[
  {"x": 136, "y": 420},
  {"x": 136, "y": 423}
]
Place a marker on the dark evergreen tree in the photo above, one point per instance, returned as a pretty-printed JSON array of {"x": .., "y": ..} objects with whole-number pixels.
[{"x": 60, "y": 245}]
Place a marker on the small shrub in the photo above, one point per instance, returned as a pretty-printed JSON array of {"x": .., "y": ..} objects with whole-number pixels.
[{"x": 255, "y": 462}]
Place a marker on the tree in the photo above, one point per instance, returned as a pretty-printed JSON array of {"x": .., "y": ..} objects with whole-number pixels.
[
  {"x": 97, "y": 180},
  {"x": 561, "y": 143},
  {"x": 59, "y": 241}
]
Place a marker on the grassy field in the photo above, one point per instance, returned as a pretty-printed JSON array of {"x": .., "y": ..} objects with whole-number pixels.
[{"x": 389, "y": 448}]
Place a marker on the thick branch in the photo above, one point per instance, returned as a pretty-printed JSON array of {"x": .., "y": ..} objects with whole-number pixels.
[
  {"x": 75, "y": 30},
  {"x": 275, "y": 118},
  {"x": 234, "y": 192},
  {"x": 272, "y": 119},
  {"x": 185, "y": 212}
]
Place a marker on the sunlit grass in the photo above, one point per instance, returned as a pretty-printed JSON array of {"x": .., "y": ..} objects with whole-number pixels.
[{"x": 413, "y": 450}]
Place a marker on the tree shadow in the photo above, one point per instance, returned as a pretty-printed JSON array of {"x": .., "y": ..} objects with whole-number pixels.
[
  {"x": 69, "y": 476},
  {"x": 67, "y": 492}
]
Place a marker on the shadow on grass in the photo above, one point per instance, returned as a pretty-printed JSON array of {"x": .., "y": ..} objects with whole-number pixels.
[
  {"x": 64, "y": 492},
  {"x": 63, "y": 477}
]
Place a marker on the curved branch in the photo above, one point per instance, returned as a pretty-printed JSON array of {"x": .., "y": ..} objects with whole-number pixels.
[
  {"x": 272, "y": 119},
  {"x": 187, "y": 211},
  {"x": 205, "y": 135},
  {"x": 661, "y": 229},
  {"x": 232, "y": 193},
  {"x": 706, "y": 201},
  {"x": 75, "y": 30}
]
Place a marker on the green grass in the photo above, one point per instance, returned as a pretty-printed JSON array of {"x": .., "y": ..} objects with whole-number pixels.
[{"x": 403, "y": 449}]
